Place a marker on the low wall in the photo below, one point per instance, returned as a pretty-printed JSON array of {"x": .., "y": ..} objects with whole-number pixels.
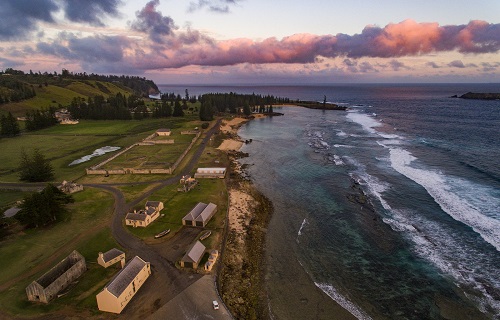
[
  {"x": 161, "y": 171},
  {"x": 146, "y": 142},
  {"x": 96, "y": 171},
  {"x": 174, "y": 166}
]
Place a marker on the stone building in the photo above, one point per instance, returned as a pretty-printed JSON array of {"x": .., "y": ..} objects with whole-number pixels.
[
  {"x": 163, "y": 132},
  {"x": 70, "y": 187},
  {"x": 143, "y": 218},
  {"x": 57, "y": 279},
  {"x": 115, "y": 296},
  {"x": 200, "y": 215},
  {"x": 111, "y": 257},
  {"x": 193, "y": 255}
]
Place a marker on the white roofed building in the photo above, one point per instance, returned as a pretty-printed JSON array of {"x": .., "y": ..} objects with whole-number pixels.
[{"x": 210, "y": 173}]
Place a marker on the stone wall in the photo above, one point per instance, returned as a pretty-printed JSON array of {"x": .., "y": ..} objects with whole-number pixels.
[{"x": 56, "y": 279}]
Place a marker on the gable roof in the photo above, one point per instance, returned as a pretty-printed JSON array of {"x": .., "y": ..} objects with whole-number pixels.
[
  {"x": 195, "y": 212},
  {"x": 154, "y": 204},
  {"x": 194, "y": 253},
  {"x": 207, "y": 212},
  {"x": 136, "y": 216},
  {"x": 125, "y": 276},
  {"x": 163, "y": 130},
  {"x": 111, "y": 254}
]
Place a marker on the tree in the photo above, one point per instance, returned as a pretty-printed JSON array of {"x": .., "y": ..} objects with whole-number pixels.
[
  {"x": 9, "y": 126},
  {"x": 35, "y": 168},
  {"x": 178, "y": 109},
  {"x": 246, "y": 109},
  {"x": 43, "y": 208}
]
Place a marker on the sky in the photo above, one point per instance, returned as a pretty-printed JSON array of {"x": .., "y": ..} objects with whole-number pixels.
[{"x": 256, "y": 41}]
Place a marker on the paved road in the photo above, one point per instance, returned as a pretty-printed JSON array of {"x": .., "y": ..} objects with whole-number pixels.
[{"x": 166, "y": 281}]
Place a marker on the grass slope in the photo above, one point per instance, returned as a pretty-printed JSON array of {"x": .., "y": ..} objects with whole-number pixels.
[{"x": 85, "y": 230}]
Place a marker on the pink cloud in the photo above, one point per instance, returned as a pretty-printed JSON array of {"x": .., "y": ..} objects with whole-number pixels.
[{"x": 407, "y": 38}]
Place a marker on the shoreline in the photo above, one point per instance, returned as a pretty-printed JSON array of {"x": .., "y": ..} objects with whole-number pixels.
[
  {"x": 242, "y": 273},
  {"x": 245, "y": 272}
]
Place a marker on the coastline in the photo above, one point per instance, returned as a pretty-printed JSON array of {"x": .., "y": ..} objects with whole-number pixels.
[
  {"x": 245, "y": 273},
  {"x": 243, "y": 270}
]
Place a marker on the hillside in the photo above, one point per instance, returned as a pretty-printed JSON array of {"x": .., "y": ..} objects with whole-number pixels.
[{"x": 21, "y": 92}]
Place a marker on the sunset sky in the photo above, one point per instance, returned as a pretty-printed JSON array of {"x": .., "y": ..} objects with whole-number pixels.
[{"x": 256, "y": 41}]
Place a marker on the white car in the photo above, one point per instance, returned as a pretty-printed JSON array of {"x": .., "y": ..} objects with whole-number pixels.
[{"x": 215, "y": 304}]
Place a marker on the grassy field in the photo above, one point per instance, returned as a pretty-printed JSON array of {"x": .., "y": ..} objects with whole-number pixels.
[
  {"x": 178, "y": 204},
  {"x": 26, "y": 250},
  {"x": 9, "y": 197},
  {"x": 148, "y": 157},
  {"x": 55, "y": 96},
  {"x": 86, "y": 230},
  {"x": 63, "y": 144},
  {"x": 80, "y": 296}
]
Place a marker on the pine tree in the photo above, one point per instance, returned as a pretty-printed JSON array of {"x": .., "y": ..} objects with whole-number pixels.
[
  {"x": 35, "y": 168},
  {"x": 43, "y": 208},
  {"x": 178, "y": 109}
]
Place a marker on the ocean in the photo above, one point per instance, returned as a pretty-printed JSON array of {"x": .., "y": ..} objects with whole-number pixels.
[{"x": 390, "y": 209}]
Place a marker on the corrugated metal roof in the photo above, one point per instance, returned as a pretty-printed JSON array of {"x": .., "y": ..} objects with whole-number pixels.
[
  {"x": 206, "y": 214},
  {"x": 195, "y": 253},
  {"x": 195, "y": 212},
  {"x": 203, "y": 170},
  {"x": 125, "y": 277},
  {"x": 111, "y": 254}
]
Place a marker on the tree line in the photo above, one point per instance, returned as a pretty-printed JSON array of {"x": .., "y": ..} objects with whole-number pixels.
[
  {"x": 213, "y": 103},
  {"x": 140, "y": 85},
  {"x": 14, "y": 90}
]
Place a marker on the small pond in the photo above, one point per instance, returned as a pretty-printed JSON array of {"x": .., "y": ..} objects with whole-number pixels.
[{"x": 96, "y": 153}]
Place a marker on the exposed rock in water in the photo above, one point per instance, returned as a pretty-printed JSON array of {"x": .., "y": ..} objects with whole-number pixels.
[
  {"x": 359, "y": 197},
  {"x": 480, "y": 96}
]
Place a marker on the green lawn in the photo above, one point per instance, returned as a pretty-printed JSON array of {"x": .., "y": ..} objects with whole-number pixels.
[
  {"x": 81, "y": 295},
  {"x": 9, "y": 197},
  {"x": 87, "y": 227},
  {"x": 178, "y": 204},
  {"x": 62, "y": 144},
  {"x": 60, "y": 150},
  {"x": 132, "y": 192},
  {"x": 146, "y": 157},
  {"x": 26, "y": 250}
]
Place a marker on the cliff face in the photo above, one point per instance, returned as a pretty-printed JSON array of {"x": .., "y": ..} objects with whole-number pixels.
[{"x": 481, "y": 96}]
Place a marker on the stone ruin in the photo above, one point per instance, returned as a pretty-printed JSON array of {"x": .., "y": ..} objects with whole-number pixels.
[{"x": 57, "y": 279}]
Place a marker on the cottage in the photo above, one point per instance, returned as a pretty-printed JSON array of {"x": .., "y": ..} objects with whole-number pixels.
[
  {"x": 57, "y": 279},
  {"x": 200, "y": 215},
  {"x": 193, "y": 256},
  {"x": 115, "y": 296},
  {"x": 143, "y": 218},
  {"x": 157, "y": 205},
  {"x": 111, "y": 257},
  {"x": 210, "y": 173},
  {"x": 163, "y": 132}
]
